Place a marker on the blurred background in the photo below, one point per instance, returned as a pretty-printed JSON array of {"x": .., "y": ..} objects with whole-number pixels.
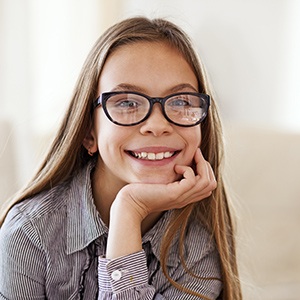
[{"x": 251, "y": 49}]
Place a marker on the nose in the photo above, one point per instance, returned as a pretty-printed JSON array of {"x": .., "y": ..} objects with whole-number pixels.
[{"x": 156, "y": 124}]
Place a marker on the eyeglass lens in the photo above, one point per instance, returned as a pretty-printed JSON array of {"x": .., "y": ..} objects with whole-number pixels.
[{"x": 127, "y": 108}]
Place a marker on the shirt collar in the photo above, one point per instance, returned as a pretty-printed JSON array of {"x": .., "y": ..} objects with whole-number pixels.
[{"x": 84, "y": 224}]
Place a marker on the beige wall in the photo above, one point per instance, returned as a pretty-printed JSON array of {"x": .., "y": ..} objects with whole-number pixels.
[{"x": 262, "y": 172}]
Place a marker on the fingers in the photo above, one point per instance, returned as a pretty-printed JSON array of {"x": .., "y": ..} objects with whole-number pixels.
[
  {"x": 186, "y": 172},
  {"x": 205, "y": 171},
  {"x": 197, "y": 186},
  {"x": 203, "y": 167}
]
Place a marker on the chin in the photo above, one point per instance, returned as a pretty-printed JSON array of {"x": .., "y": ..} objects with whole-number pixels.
[{"x": 160, "y": 179}]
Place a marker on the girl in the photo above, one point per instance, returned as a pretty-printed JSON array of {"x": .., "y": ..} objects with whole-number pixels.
[{"x": 129, "y": 203}]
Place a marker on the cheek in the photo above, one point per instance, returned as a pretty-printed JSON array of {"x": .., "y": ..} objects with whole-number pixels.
[
  {"x": 102, "y": 131},
  {"x": 104, "y": 128},
  {"x": 194, "y": 138},
  {"x": 198, "y": 138},
  {"x": 110, "y": 137}
]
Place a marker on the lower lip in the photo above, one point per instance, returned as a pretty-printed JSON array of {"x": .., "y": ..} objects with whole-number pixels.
[{"x": 149, "y": 162}]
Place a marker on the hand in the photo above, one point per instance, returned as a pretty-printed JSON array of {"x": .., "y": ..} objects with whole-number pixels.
[
  {"x": 143, "y": 199},
  {"x": 136, "y": 201}
]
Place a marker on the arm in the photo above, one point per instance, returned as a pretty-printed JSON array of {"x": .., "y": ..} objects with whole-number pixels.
[
  {"x": 131, "y": 206},
  {"x": 22, "y": 263},
  {"x": 135, "y": 202}
]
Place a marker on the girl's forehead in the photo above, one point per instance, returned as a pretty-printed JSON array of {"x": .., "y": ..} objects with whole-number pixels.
[
  {"x": 134, "y": 48},
  {"x": 146, "y": 64}
]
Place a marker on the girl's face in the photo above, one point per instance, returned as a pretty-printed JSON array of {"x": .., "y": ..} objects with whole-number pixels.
[{"x": 146, "y": 152}]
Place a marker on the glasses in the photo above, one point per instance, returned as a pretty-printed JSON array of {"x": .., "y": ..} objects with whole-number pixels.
[{"x": 132, "y": 108}]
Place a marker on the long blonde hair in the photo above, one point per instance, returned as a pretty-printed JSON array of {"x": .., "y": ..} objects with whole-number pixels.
[{"x": 67, "y": 154}]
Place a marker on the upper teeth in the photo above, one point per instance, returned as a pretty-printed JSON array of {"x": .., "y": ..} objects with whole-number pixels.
[{"x": 153, "y": 156}]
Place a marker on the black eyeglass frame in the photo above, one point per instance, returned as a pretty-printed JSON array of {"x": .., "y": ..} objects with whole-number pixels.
[{"x": 102, "y": 99}]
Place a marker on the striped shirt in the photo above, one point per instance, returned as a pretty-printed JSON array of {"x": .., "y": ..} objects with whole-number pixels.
[{"x": 53, "y": 247}]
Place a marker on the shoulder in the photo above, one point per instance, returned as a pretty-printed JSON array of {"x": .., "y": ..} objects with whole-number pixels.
[
  {"x": 199, "y": 243},
  {"x": 55, "y": 199},
  {"x": 198, "y": 234},
  {"x": 37, "y": 214},
  {"x": 46, "y": 216},
  {"x": 43, "y": 206}
]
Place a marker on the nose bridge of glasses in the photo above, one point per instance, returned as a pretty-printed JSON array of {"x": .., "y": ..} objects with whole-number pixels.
[
  {"x": 156, "y": 120},
  {"x": 156, "y": 100}
]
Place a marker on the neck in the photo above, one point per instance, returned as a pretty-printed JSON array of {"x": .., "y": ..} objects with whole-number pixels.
[{"x": 105, "y": 191}]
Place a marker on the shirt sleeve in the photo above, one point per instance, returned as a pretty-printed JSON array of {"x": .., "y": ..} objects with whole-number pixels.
[
  {"x": 125, "y": 278},
  {"x": 22, "y": 265}
]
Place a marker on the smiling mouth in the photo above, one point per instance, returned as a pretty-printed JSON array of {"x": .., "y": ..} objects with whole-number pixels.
[{"x": 152, "y": 156}]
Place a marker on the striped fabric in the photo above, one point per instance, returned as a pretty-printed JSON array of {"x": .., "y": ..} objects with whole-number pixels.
[{"x": 53, "y": 247}]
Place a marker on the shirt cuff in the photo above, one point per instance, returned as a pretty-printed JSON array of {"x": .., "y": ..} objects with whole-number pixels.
[{"x": 123, "y": 273}]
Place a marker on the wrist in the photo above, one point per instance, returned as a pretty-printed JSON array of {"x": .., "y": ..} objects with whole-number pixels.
[
  {"x": 126, "y": 203},
  {"x": 123, "y": 211}
]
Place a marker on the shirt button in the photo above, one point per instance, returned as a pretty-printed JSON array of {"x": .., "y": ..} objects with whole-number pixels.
[{"x": 116, "y": 275}]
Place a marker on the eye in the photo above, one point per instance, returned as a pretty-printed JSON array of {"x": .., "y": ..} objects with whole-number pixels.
[
  {"x": 179, "y": 102},
  {"x": 127, "y": 103}
]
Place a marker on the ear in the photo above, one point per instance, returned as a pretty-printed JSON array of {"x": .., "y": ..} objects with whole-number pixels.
[{"x": 90, "y": 142}]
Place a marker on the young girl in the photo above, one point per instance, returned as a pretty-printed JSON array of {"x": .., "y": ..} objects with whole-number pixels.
[{"x": 129, "y": 203}]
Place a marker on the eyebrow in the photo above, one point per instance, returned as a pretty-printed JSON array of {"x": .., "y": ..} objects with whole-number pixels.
[
  {"x": 132, "y": 87},
  {"x": 126, "y": 87},
  {"x": 183, "y": 86}
]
